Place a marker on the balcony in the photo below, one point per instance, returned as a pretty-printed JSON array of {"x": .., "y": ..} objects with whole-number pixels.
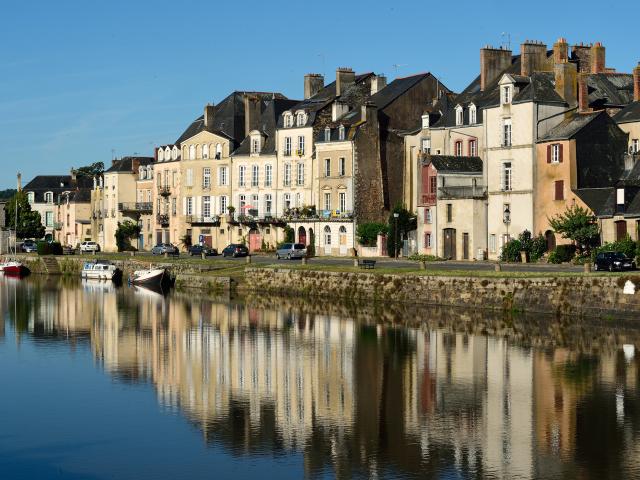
[
  {"x": 135, "y": 207},
  {"x": 462, "y": 192},
  {"x": 201, "y": 220},
  {"x": 164, "y": 190},
  {"x": 428, "y": 199},
  {"x": 57, "y": 225},
  {"x": 163, "y": 219}
]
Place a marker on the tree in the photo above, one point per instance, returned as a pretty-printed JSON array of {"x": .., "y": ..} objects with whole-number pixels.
[
  {"x": 29, "y": 222},
  {"x": 126, "y": 231},
  {"x": 367, "y": 233},
  {"x": 7, "y": 194},
  {"x": 405, "y": 221},
  {"x": 93, "y": 170},
  {"x": 578, "y": 225},
  {"x": 186, "y": 241}
]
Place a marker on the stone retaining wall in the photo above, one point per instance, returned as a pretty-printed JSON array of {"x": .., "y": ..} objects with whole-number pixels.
[{"x": 599, "y": 296}]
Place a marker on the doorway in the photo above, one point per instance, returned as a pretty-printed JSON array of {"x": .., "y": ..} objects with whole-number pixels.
[
  {"x": 342, "y": 238},
  {"x": 302, "y": 236},
  {"x": 465, "y": 246},
  {"x": 449, "y": 243}
]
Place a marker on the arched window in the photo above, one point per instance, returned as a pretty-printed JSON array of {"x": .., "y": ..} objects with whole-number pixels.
[
  {"x": 160, "y": 155},
  {"x": 48, "y": 197},
  {"x": 300, "y": 119},
  {"x": 327, "y": 235},
  {"x": 149, "y": 172},
  {"x": 174, "y": 153},
  {"x": 198, "y": 151},
  {"x": 192, "y": 152},
  {"x": 31, "y": 197},
  {"x": 205, "y": 150},
  {"x": 341, "y": 132},
  {"x": 343, "y": 230},
  {"x": 218, "y": 151}
]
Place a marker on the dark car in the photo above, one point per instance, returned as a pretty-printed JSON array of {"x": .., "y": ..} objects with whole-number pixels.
[
  {"x": 235, "y": 250},
  {"x": 613, "y": 261},
  {"x": 29, "y": 246},
  {"x": 162, "y": 248},
  {"x": 68, "y": 250},
  {"x": 200, "y": 249}
]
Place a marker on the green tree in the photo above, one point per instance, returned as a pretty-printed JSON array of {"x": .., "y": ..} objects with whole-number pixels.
[
  {"x": 405, "y": 222},
  {"x": 186, "y": 241},
  {"x": 93, "y": 170},
  {"x": 125, "y": 232},
  {"x": 7, "y": 194},
  {"x": 577, "y": 224},
  {"x": 367, "y": 233},
  {"x": 29, "y": 222}
]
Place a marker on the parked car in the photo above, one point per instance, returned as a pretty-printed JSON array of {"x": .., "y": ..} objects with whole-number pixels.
[
  {"x": 29, "y": 246},
  {"x": 613, "y": 261},
  {"x": 200, "y": 249},
  {"x": 235, "y": 250},
  {"x": 89, "y": 247},
  {"x": 68, "y": 250},
  {"x": 162, "y": 248},
  {"x": 291, "y": 250}
]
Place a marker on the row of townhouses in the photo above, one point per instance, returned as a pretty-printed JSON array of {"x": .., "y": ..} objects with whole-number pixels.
[{"x": 532, "y": 134}]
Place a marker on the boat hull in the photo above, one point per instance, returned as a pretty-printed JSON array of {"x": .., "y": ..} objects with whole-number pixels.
[
  {"x": 148, "y": 277},
  {"x": 16, "y": 270}
]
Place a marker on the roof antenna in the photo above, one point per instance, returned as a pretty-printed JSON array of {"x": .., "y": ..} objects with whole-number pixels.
[
  {"x": 506, "y": 44},
  {"x": 396, "y": 66}
]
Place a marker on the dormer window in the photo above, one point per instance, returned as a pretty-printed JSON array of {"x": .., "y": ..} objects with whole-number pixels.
[
  {"x": 149, "y": 172},
  {"x": 473, "y": 115},
  {"x": 459, "y": 115},
  {"x": 218, "y": 151},
  {"x": 288, "y": 120},
  {"x": 255, "y": 144},
  {"x": 31, "y": 197},
  {"x": 301, "y": 119},
  {"x": 205, "y": 151},
  {"x": 506, "y": 93},
  {"x": 160, "y": 155},
  {"x": 48, "y": 197},
  {"x": 327, "y": 134},
  {"x": 341, "y": 132},
  {"x": 425, "y": 121},
  {"x": 167, "y": 153},
  {"x": 142, "y": 174}
]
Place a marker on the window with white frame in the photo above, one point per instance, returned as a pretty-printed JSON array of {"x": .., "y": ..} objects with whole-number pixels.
[
  {"x": 298, "y": 199},
  {"x": 223, "y": 177},
  {"x": 458, "y": 148},
  {"x": 255, "y": 175},
  {"x": 327, "y": 134},
  {"x": 189, "y": 177},
  {"x": 300, "y": 150},
  {"x": 287, "y": 174},
  {"x": 287, "y": 201},
  {"x": 174, "y": 153},
  {"x": 255, "y": 144},
  {"x": 327, "y": 201},
  {"x": 268, "y": 175},
  {"x": 507, "y": 176},
  {"x": 473, "y": 115},
  {"x": 242, "y": 170},
  {"x": 142, "y": 174},
  {"x": 425, "y": 121},
  {"x": 300, "y": 119},
  {"x": 459, "y": 115},
  {"x": 206, "y": 206},
  {"x": 427, "y": 215},
  {"x": 288, "y": 120},
  {"x": 506, "y": 94},
  {"x": 287, "y": 146},
  {"x": 506, "y": 132},
  {"x": 300, "y": 176},
  {"x": 205, "y": 150},
  {"x": 192, "y": 152},
  {"x": 218, "y": 151},
  {"x": 473, "y": 148},
  {"x": 327, "y": 167},
  {"x": 206, "y": 177},
  {"x": 555, "y": 153},
  {"x": 327, "y": 235},
  {"x": 242, "y": 202},
  {"x": 48, "y": 218},
  {"x": 427, "y": 240},
  {"x": 342, "y": 202},
  {"x": 254, "y": 202},
  {"x": 341, "y": 133},
  {"x": 48, "y": 197},
  {"x": 174, "y": 178},
  {"x": 268, "y": 204},
  {"x": 189, "y": 206},
  {"x": 223, "y": 204},
  {"x": 342, "y": 166},
  {"x": 492, "y": 243},
  {"x": 160, "y": 155}
]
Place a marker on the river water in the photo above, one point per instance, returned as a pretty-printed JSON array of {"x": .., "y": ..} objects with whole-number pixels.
[{"x": 99, "y": 382}]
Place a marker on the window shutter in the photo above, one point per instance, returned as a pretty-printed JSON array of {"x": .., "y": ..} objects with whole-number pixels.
[
  {"x": 184, "y": 205},
  {"x": 559, "y": 189},
  {"x": 560, "y": 148},
  {"x": 549, "y": 153}
]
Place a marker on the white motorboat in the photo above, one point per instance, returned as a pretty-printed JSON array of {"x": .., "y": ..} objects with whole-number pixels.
[
  {"x": 101, "y": 270},
  {"x": 153, "y": 276}
]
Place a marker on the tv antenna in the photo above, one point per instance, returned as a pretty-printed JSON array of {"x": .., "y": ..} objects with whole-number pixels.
[
  {"x": 506, "y": 44},
  {"x": 396, "y": 66}
]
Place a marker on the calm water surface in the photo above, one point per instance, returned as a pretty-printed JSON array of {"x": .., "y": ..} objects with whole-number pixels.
[{"x": 100, "y": 382}]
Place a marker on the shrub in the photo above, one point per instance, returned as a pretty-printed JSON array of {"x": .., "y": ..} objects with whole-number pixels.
[
  {"x": 538, "y": 248},
  {"x": 562, "y": 254},
  {"x": 367, "y": 233},
  {"x": 420, "y": 257},
  {"x": 511, "y": 251},
  {"x": 46, "y": 248},
  {"x": 288, "y": 235}
]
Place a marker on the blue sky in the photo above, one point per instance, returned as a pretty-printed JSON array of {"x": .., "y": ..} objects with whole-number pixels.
[{"x": 79, "y": 79}]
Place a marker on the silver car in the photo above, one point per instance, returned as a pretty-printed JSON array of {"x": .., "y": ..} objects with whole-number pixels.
[{"x": 291, "y": 250}]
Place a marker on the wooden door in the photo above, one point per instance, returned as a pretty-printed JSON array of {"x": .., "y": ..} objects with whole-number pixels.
[
  {"x": 255, "y": 241},
  {"x": 449, "y": 243},
  {"x": 621, "y": 230},
  {"x": 465, "y": 246}
]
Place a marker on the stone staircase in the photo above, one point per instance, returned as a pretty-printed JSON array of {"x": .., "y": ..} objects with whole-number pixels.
[{"x": 51, "y": 265}]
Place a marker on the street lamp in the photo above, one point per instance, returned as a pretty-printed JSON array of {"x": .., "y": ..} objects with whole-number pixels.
[
  {"x": 506, "y": 218},
  {"x": 395, "y": 234}
]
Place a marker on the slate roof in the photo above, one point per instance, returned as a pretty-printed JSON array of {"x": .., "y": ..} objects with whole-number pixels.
[
  {"x": 56, "y": 184},
  {"x": 396, "y": 89},
  {"x": 228, "y": 117},
  {"x": 601, "y": 201},
  {"x": 453, "y": 164},
  {"x": 125, "y": 164},
  {"x": 610, "y": 89},
  {"x": 570, "y": 126},
  {"x": 630, "y": 113},
  {"x": 268, "y": 123},
  {"x": 631, "y": 177}
]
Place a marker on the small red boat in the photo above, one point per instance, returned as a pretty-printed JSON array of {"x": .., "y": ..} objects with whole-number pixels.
[{"x": 16, "y": 269}]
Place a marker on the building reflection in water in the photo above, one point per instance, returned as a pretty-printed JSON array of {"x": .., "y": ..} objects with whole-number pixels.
[{"x": 353, "y": 397}]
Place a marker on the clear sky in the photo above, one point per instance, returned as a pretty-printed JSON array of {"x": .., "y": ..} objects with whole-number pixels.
[{"x": 80, "y": 79}]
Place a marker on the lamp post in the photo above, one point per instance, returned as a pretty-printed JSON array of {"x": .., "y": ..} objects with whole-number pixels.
[
  {"x": 506, "y": 218},
  {"x": 395, "y": 235}
]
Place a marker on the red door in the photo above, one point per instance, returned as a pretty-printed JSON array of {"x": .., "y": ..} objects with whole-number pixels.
[{"x": 255, "y": 241}]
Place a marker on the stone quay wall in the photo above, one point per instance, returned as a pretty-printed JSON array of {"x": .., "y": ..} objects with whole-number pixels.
[{"x": 583, "y": 296}]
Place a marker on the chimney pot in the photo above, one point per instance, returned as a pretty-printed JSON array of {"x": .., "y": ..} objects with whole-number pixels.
[{"x": 598, "y": 58}]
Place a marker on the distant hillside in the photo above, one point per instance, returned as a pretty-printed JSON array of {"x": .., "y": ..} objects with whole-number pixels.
[{"x": 7, "y": 194}]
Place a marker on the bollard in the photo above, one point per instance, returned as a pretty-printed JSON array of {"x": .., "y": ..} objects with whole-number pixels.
[
  {"x": 304, "y": 260},
  {"x": 587, "y": 267},
  {"x": 203, "y": 255},
  {"x": 498, "y": 267},
  {"x": 423, "y": 265},
  {"x": 166, "y": 254},
  {"x": 132, "y": 253},
  {"x": 248, "y": 259}
]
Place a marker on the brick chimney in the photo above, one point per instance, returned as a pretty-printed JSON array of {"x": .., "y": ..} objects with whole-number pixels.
[
  {"x": 313, "y": 83},
  {"x": 533, "y": 57},
  {"x": 368, "y": 111},
  {"x": 378, "y": 83},
  {"x": 598, "y": 63},
  {"x": 566, "y": 78},
  {"x": 345, "y": 77},
  {"x": 561, "y": 51},
  {"x": 581, "y": 54},
  {"x": 135, "y": 164},
  {"x": 583, "y": 93},
  {"x": 208, "y": 115},
  {"x": 493, "y": 61},
  {"x": 251, "y": 113},
  {"x": 636, "y": 83}
]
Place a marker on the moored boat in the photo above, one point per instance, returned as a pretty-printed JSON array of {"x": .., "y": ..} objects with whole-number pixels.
[
  {"x": 153, "y": 276},
  {"x": 14, "y": 268},
  {"x": 101, "y": 270}
]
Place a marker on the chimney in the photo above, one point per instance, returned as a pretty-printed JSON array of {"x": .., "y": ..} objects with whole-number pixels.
[
  {"x": 135, "y": 164},
  {"x": 533, "y": 56},
  {"x": 208, "y": 115},
  {"x": 566, "y": 77},
  {"x": 581, "y": 54},
  {"x": 344, "y": 79},
  {"x": 368, "y": 111},
  {"x": 378, "y": 83},
  {"x": 73, "y": 174},
  {"x": 598, "y": 63},
  {"x": 19, "y": 184},
  {"x": 561, "y": 51},
  {"x": 636, "y": 83},
  {"x": 251, "y": 113},
  {"x": 583, "y": 93},
  {"x": 313, "y": 83},
  {"x": 493, "y": 61}
]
